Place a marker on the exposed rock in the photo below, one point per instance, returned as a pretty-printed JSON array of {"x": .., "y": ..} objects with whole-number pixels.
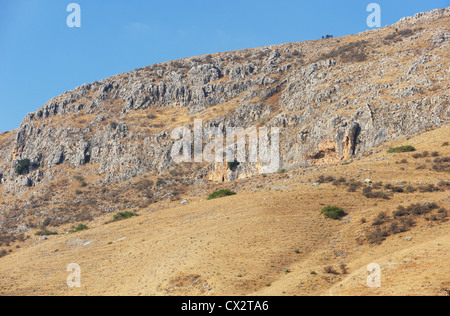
[{"x": 329, "y": 109}]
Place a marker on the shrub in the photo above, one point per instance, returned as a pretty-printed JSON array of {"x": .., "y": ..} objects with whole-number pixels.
[
  {"x": 45, "y": 233},
  {"x": 79, "y": 228},
  {"x": 410, "y": 189},
  {"x": 8, "y": 239},
  {"x": 233, "y": 165},
  {"x": 333, "y": 212},
  {"x": 428, "y": 188},
  {"x": 339, "y": 181},
  {"x": 443, "y": 214},
  {"x": 441, "y": 164},
  {"x": 220, "y": 194},
  {"x": 353, "y": 186},
  {"x": 23, "y": 166},
  {"x": 400, "y": 212},
  {"x": 123, "y": 215},
  {"x": 352, "y": 52},
  {"x": 399, "y": 35},
  {"x": 377, "y": 222},
  {"x": 444, "y": 184},
  {"x": 408, "y": 222},
  {"x": 377, "y": 236},
  {"x": 46, "y": 222},
  {"x": 325, "y": 179},
  {"x": 402, "y": 149},
  {"x": 344, "y": 268},
  {"x": 442, "y": 160},
  {"x": 377, "y": 185},
  {"x": 415, "y": 209},
  {"x": 370, "y": 194},
  {"x": 330, "y": 270},
  {"x": 397, "y": 189}
]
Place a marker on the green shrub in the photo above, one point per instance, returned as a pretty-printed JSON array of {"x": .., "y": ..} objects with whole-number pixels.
[
  {"x": 333, "y": 212},
  {"x": 23, "y": 166},
  {"x": 46, "y": 233},
  {"x": 401, "y": 149},
  {"x": 124, "y": 215},
  {"x": 233, "y": 165},
  {"x": 220, "y": 194},
  {"x": 79, "y": 228}
]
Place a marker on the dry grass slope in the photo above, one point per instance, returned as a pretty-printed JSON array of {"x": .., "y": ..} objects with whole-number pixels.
[{"x": 270, "y": 233}]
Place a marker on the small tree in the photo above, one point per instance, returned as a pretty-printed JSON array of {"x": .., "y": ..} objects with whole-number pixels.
[
  {"x": 233, "y": 165},
  {"x": 23, "y": 166}
]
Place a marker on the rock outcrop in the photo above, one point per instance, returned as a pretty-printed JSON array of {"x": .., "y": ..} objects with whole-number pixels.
[{"x": 332, "y": 99}]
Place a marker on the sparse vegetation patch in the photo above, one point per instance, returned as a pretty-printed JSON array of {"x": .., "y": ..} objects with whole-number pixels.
[
  {"x": 221, "y": 194},
  {"x": 79, "y": 228},
  {"x": 333, "y": 212},
  {"x": 401, "y": 149},
  {"x": 23, "y": 166},
  {"x": 124, "y": 215}
]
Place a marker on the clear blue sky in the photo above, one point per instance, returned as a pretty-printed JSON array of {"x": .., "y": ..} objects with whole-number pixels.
[{"x": 40, "y": 57}]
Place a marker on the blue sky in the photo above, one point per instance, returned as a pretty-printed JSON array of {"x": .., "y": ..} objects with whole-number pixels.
[{"x": 41, "y": 57}]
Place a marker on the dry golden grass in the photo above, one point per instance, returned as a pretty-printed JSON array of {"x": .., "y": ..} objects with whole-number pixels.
[{"x": 240, "y": 244}]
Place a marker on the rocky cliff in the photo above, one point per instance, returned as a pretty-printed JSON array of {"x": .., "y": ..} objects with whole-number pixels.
[{"x": 332, "y": 99}]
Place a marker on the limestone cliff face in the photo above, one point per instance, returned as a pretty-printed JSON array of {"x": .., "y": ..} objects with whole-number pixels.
[{"x": 332, "y": 99}]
